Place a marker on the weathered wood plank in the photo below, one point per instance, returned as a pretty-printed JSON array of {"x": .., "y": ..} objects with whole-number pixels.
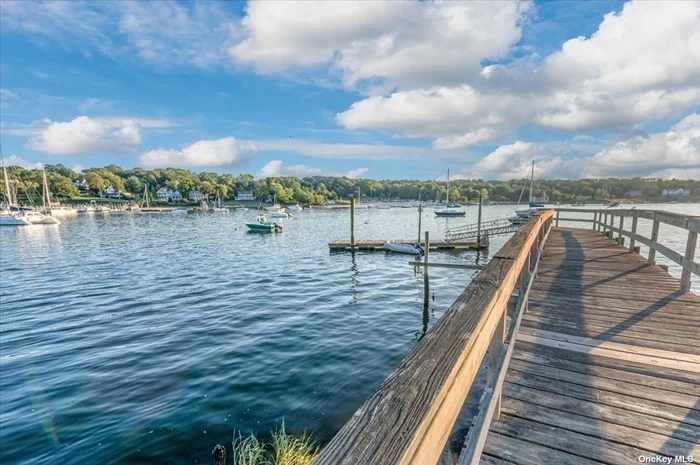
[
  {"x": 637, "y": 441},
  {"x": 610, "y": 349},
  {"x": 569, "y": 441},
  {"x": 611, "y": 385},
  {"x": 662, "y": 373},
  {"x": 600, "y": 412},
  {"x": 520, "y": 452},
  {"x": 601, "y": 396}
]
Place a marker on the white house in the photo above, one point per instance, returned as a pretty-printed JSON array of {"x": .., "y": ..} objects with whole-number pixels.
[
  {"x": 675, "y": 191},
  {"x": 245, "y": 195},
  {"x": 167, "y": 195},
  {"x": 197, "y": 196},
  {"x": 108, "y": 192}
]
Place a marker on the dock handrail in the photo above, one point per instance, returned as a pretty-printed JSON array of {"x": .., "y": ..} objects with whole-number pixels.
[
  {"x": 603, "y": 221},
  {"x": 409, "y": 418}
]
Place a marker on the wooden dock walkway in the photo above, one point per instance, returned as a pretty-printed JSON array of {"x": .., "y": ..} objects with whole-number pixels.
[
  {"x": 592, "y": 355},
  {"x": 606, "y": 367}
]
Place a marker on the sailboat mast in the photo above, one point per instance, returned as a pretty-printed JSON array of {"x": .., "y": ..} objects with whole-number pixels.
[
  {"x": 448, "y": 188},
  {"x": 532, "y": 179},
  {"x": 8, "y": 192},
  {"x": 47, "y": 201},
  {"x": 145, "y": 194}
]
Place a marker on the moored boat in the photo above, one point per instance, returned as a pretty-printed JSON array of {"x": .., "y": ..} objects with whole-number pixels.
[
  {"x": 452, "y": 209},
  {"x": 413, "y": 249},
  {"x": 13, "y": 220},
  {"x": 264, "y": 226}
]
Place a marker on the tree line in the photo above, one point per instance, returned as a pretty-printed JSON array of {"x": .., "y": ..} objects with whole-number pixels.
[{"x": 319, "y": 190}]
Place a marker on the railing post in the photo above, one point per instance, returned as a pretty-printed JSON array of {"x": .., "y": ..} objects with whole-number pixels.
[
  {"x": 634, "y": 230},
  {"x": 620, "y": 239},
  {"x": 689, "y": 255},
  {"x": 612, "y": 225},
  {"x": 556, "y": 222},
  {"x": 495, "y": 347},
  {"x": 605, "y": 223},
  {"x": 654, "y": 238},
  {"x": 595, "y": 219}
]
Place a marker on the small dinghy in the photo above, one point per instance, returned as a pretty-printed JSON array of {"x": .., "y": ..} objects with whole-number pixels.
[{"x": 413, "y": 249}]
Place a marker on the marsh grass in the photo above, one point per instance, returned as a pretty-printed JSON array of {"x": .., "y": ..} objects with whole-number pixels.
[
  {"x": 284, "y": 450},
  {"x": 293, "y": 450},
  {"x": 247, "y": 451}
]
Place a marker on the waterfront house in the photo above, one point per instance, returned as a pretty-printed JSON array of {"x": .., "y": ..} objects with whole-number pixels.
[
  {"x": 167, "y": 195},
  {"x": 197, "y": 196},
  {"x": 675, "y": 191},
  {"x": 108, "y": 192},
  {"x": 245, "y": 195},
  {"x": 81, "y": 184},
  {"x": 634, "y": 194}
]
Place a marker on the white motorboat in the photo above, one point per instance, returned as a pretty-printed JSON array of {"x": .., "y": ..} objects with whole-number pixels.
[
  {"x": 280, "y": 214},
  {"x": 37, "y": 218},
  {"x": 62, "y": 211},
  {"x": 383, "y": 207},
  {"x": 295, "y": 208},
  {"x": 89, "y": 209},
  {"x": 413, "y": 249},
  {"x": 13, "y": 220},
  {"x": 178, "y": 211}
]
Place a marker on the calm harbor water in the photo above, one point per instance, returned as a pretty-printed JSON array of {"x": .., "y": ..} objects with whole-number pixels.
[{"x": 149, "y": 339}]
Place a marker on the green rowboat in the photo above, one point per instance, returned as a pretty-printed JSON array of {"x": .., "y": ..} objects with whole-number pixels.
[{"x": 263, "y": 226}]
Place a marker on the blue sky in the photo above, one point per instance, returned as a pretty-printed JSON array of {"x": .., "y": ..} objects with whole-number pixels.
[{"x": 374, "y": 89}]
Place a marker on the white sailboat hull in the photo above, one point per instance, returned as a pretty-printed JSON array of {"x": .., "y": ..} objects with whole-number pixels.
[{"x": 12, "y": 220}]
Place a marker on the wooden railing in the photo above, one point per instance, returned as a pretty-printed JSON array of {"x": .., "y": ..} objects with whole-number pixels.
[
  {"x": 409, "y": 418},
  {"x": 604, "y": 221}
]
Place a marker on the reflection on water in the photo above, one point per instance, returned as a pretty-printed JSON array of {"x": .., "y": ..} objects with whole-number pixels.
[{"x": 148, "y": 339}]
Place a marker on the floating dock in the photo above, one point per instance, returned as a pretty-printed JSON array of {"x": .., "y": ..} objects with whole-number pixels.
[{"x": 378, "y": 245}]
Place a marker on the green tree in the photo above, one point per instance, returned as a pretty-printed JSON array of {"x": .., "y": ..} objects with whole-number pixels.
[{"x": 95, "y": 182}]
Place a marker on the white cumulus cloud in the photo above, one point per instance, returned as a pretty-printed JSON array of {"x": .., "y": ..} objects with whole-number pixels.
[
  {"x": 276, "y": 168},
  {"x": 400, "y": 43},
  {"x": 86, "y": 135},
  {"x": 14, "y": 160},
  {"x": 664, "y": 154},
  {"x": 220, "y": 153}
]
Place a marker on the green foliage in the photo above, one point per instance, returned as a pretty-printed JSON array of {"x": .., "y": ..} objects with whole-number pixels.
[
  {"x": 284, "y": 450},
  {"x": 319, "y": 190}
]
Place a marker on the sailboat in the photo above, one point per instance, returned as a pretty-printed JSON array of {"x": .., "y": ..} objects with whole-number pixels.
[
  {"x": 39, "y": 218},
  {"x": 145, "y": 206},
  {"x": 7, "y": 218},
  {"x": 451, "y": 209},
  {"x": 219, "y": 205},
  {"x": 522, "y": 216},
  {"x": 51, "y": 210}
]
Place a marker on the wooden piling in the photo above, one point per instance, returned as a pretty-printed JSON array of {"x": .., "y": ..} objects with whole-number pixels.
[
  {"x": 420, "y": 217},
  {"x": 352, "y": 223},
  {"x": 219, "y": 455},
  {"x": 478, "y": 225}
]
